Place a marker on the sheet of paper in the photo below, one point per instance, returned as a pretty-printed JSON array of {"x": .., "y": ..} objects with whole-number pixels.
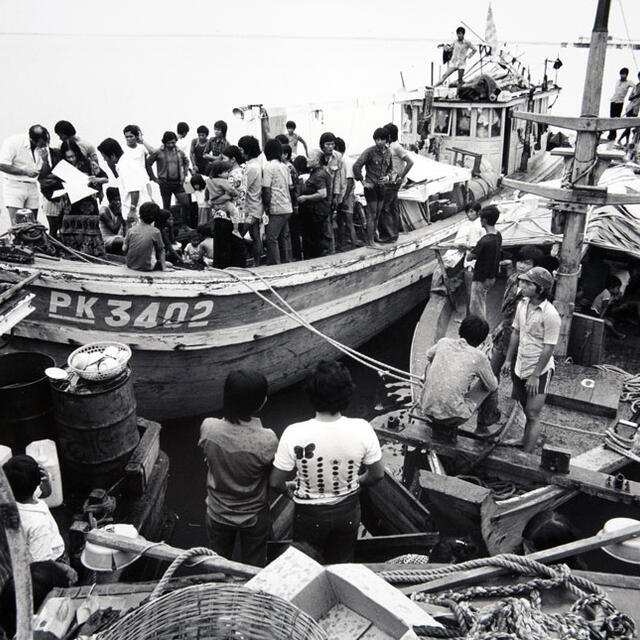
[{"x": 75, "y": 181}]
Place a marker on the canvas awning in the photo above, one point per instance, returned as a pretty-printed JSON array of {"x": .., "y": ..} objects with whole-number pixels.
[{"x": 431, "y": 177}]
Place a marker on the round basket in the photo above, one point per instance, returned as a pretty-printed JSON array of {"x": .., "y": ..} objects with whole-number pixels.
[
  {"x": 123, "y": 357},
  {"x": 213, "y": 611}
]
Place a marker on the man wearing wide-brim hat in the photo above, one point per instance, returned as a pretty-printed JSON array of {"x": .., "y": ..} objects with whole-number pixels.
[{"x": 536, "y": 329}]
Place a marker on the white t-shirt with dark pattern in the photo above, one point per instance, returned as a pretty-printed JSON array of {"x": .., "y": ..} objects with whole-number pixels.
[{"x": 327, "y": 453}]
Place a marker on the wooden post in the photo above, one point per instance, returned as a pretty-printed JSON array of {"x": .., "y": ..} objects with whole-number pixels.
[
  {"x": 585, "y": 156},
  {"x": 10, "y": 522}
]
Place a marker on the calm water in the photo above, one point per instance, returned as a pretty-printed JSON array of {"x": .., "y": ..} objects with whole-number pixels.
[{"x": 186, "y": 492}]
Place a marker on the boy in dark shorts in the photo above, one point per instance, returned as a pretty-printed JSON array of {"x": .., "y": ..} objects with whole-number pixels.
[{"x": 535, "y": 332}]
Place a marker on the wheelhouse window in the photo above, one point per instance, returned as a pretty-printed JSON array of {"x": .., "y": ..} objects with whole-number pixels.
[
  {"x": 463, "y": 122},
  {"x": 442, "y": 121}
]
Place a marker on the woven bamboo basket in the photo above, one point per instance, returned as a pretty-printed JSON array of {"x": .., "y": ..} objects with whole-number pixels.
[{"x": 212, "y": 611}]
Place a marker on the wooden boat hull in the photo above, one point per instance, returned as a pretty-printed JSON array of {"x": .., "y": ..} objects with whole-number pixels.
[{"x": 187, "y": 330}]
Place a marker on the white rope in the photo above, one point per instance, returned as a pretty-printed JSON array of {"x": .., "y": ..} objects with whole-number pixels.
[{"x": 291, "y": 313}]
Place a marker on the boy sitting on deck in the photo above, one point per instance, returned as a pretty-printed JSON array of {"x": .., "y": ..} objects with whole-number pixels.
[
  {"x": 449, "y": 395},
  {"x": 144, "y": 245}
]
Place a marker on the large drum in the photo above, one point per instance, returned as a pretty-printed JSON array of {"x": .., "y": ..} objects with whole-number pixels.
[{"x": 97, "y": 429}]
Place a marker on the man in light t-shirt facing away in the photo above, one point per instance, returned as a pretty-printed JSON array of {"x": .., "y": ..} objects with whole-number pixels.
[{"x": 326, "y": 454}]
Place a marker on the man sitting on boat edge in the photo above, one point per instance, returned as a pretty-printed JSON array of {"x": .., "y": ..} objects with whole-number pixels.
[{"x": 458, "y": 375}]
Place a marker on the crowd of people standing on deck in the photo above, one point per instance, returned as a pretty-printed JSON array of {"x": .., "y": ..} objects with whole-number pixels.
[{"x": 231, "y": 201}]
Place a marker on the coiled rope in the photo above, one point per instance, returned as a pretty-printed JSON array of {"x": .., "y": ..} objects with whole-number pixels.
[{"x": 516, "y": 617}]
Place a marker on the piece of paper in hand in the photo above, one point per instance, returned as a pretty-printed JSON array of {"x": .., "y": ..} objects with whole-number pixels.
[{"x": 75, "y": 181}]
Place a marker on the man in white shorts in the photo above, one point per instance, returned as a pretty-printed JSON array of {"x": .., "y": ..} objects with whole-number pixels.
[{"x": 21, "y": 160}]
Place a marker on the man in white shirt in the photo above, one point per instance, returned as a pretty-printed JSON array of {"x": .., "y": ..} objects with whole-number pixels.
[
  {"x": 461, "y": 50},
  {"x": 617, "y": 99},
  {"x": 21, "y": 159},
  {"x": 184, "y": 144},
  {"x": 326, "y": 454},
  {"x": 535, "y": 333}
]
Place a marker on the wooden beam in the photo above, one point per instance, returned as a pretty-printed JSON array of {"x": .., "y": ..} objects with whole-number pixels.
[
  {"x": 546, "y": 556},
  {"x": 167, "y": 553},
  {"x": 578, "y": 195},
  {"x": 582, "y": 123}
]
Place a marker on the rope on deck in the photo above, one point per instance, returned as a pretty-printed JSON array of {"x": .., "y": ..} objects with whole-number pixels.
[{"x": 592, "y": 615}]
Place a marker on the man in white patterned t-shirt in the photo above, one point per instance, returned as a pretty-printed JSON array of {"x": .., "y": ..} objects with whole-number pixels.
[{"x": 327, "y": 453}]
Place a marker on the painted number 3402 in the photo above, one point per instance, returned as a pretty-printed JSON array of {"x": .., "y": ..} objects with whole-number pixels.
[{"x": 121, "y": 313}]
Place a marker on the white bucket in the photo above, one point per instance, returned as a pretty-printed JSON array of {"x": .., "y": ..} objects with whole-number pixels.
[{"x": 46, "y": 454}]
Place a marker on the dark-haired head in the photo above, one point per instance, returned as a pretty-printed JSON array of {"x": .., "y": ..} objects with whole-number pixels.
[
  {"x": 64, "y": 129},
  {"x": 461, "y": 30},
  {"x": 132, "y": 128},
  {"x": 329, "y": 387},
  {"x": 613, "y": 284},
  {"x": 221, "y": 126},
  {"x": 203, "y": 129},
  {"x": 392, "y": 130},
  {"x": 250, "y": 147},
  {"x": 286, "y": 152},
  {"x": 182, "y": 128},
  {"x": 489, "y": 215},
  {"x": 624, "y": 71},
  {"x": 282, "y": 138},
  {"x": 198, "y": 181},
  {"x": 162, "y": 217},
  {"x": 110, "y": 149},
  {"x": 327, "y": 136},
  {"x": 112, "y": 193},
  {"x": 169, "y": 136},
  {"x": 233, "y": 153},
  {"x": 300, "y": 164},
  {"x": 273, "y": 150},
  {"x": 70, "y": 146},
  {"x": 217, "y": 168},
  {"x": 291, "y": 125},
  {"x": 245, "y": 393},
  {"x": 23, "y": 474},
  {"x": 531, "y": 254},
  {"x": 474, "y": 330},
  {"x": 149, "y": 212},
  {"x": 381, "y": 134},
  {"x": 341, "y": 146}
]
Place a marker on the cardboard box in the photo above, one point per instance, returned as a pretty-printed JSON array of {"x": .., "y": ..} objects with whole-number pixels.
[{"x": 347, "y": 600}]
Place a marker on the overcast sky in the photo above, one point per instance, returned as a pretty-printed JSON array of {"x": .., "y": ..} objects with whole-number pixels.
[
  {"x": 102, "y": 65},
  {"x": 543, "y": 20}
]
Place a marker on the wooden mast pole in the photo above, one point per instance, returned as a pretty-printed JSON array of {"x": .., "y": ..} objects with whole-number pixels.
[{"x": 584, "y": 163}]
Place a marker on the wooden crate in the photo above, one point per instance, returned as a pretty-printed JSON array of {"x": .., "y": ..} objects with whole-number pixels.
[{"x": 141, "y": 463}]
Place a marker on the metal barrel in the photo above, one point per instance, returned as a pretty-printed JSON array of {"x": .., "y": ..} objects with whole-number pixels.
[
  {"x": 97, "y": 430},
  {"x": 25, "y": 399}
]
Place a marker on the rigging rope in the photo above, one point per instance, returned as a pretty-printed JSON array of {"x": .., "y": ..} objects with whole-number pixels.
[{"x": 287, "y": 310}]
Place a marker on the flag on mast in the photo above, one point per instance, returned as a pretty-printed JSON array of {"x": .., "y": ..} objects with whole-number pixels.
[{"x": 490, "y": 32}]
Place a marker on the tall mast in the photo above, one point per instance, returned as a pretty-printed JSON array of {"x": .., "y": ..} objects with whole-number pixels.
[
  {"x": 573, "y": 200},
  {"x": 584, "y": 161}
]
